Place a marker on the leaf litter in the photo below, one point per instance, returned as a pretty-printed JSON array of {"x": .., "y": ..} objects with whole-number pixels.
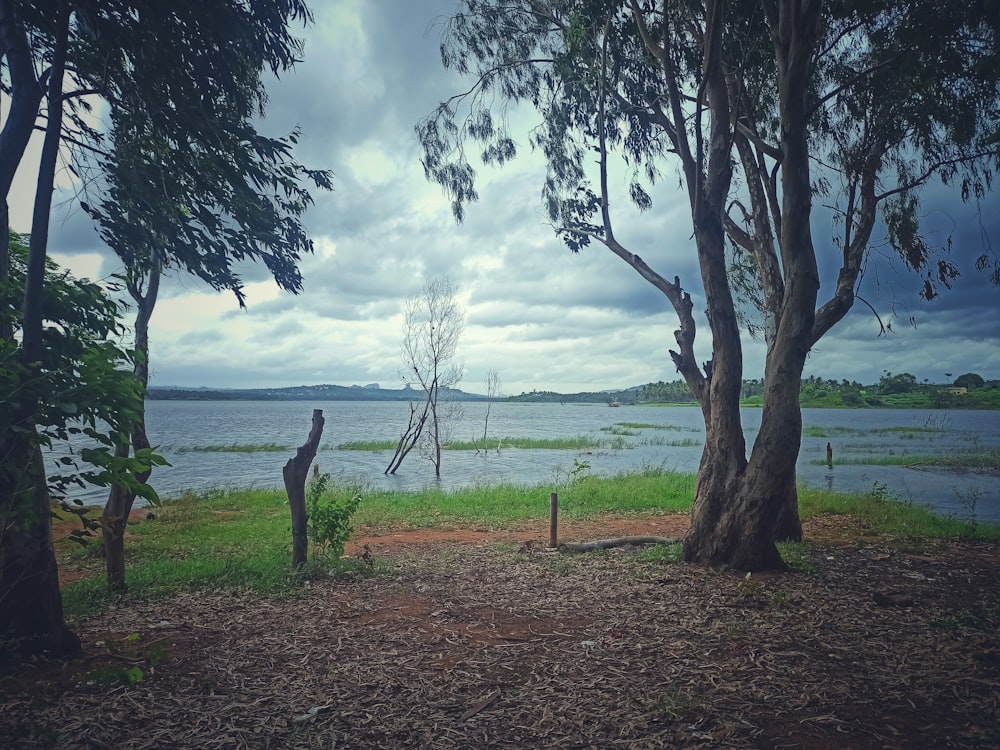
[{"x": 506, "y": 644}]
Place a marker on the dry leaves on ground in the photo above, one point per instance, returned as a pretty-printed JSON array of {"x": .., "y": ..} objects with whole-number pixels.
[{"x": 505, "y": 644}]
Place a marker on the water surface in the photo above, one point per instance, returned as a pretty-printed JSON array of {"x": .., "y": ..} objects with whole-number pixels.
[{"x": 180, "y": 428}]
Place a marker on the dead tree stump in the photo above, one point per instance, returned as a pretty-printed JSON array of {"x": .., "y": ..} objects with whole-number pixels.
[{"x": 294, "y": 474}]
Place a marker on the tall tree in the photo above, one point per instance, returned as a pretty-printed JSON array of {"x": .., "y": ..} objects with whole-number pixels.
[
  {"x": 184, "y": 71},
  {"x": 759, "y": 106},
  {"x": 221, "y": 192}
]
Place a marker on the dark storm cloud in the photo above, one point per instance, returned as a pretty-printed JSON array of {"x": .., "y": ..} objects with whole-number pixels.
[{"x": 552, "y": 319}]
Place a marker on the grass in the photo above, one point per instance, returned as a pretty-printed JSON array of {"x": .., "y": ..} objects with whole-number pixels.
[
  {"x": 240, "y": 539},
  {"x": 823, "y": 432},
  {"x": 580, "y": 442},
  {"x": 617, "y": 429},
  {"x": 978, "y": 460},
  {"x": 234, "y": 448}
]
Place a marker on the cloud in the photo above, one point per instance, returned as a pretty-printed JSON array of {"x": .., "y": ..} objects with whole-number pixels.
[{"x": 546, "y": 318}]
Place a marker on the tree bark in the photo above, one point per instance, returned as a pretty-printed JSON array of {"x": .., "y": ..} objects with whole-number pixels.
[
  {"x": 29, "y": 579},
  {"x": 120, "y": 500},
  {"x": 295, "y": 473},
  {"x": 31, "y": 610}
]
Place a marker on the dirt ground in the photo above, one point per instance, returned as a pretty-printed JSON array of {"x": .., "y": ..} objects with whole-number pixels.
[{"x": 482, "y": 638}]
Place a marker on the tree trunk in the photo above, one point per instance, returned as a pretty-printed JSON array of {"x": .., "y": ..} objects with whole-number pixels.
[
  {"x": 29, "y": 579},
  {"x": 31, "y": 609},
  {"x": 408, "y": 440},
  {"x": 115, "y": 517},
  {"x": 295, "y": 473},
  {"x": 120, "y": 500}
]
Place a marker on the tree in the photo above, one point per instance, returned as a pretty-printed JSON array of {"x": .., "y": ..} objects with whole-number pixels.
[
  {"x": 492, "y": 385},
  {"x": 166, "y": 64},
  {"x": 80, "y": 387},
  {"x": 762, "y": 107},
  {"x": 197, "y": 200},
  {"x": 432, "y": 326},
  {"x": 970, "y": 380},
  {"x": 903, "y": 382}
]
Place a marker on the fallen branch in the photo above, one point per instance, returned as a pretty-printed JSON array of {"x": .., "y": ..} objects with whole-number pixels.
[{"x": 622, "y": 541}]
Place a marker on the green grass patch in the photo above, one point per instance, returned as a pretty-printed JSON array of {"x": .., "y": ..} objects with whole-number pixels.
[
  {"x": 241, "y": 539},
  {"x": 661, "y": 553},
  {"x": 504, "y": 505},
  {"x": 879, "y": 512},
  {"x": 368, "y": 445}
]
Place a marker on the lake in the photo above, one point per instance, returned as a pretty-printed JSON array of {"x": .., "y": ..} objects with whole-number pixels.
[{"x": 182, "y": 429}]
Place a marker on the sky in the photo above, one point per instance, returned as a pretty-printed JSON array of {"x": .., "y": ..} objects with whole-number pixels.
[{"x": 542, "y": 317}]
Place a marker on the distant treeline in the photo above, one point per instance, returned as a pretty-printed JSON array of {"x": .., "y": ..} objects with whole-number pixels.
[{"x": 903, "y": 390}]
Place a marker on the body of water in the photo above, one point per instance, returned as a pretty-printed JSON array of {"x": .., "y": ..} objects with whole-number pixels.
[{"x": 183, "y": 429}]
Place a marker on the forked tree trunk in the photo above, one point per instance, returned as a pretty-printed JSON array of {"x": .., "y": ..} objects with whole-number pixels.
[
  {"x": 409, "y": 438},
  {"x": 741, "y": 508},
  {"x": 295, "y": 473}
]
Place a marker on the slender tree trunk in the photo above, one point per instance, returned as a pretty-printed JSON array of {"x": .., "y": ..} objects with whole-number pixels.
[
  {"x": 120, "y": 500},
  {"x": 408, "y": 440},
  {"x": 436, "y": 428},
  {"x": 295, "y": 473},
  {"x": 6, "y": 321}
]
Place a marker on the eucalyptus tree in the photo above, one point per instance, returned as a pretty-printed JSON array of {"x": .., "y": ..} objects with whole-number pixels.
[
  {"x": 197, "y": 202},
  {"x": 176, "y": 76},
  {"x": 764, "y": 110}
]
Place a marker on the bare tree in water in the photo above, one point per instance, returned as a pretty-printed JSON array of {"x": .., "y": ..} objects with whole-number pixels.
[{"x": 433, "y": 322}]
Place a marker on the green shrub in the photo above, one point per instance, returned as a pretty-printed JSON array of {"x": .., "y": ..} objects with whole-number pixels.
[{"x": 329, "y": 518}]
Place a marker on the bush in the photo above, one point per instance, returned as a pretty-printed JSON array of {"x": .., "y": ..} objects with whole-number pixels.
[{"x": 329, "y": 518}]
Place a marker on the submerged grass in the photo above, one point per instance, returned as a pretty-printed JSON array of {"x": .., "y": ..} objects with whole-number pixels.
[
  {"x": 974, "y": 460},
  {"x": 241, "y": 539},
  {"x": 834, "y": 431},
  {"x": 232, "y": 448},
  {"x": 581, "y": 442}
]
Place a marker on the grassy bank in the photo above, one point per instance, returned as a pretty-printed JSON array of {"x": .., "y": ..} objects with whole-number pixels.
[{"x": 240, "y": 539}]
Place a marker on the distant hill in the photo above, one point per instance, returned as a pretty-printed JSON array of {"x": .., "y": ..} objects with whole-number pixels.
[
  {"x": 372, "y": 392},
  {"x": 325, "y": 392}
]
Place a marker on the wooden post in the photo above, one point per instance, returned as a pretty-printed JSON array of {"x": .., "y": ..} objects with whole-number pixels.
[
  {"x": 554, "y": 520},
  {"x": 294, "y": 474}
]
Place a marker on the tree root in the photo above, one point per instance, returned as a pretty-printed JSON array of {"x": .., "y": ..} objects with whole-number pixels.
[{"x": 622, "y": 541}]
